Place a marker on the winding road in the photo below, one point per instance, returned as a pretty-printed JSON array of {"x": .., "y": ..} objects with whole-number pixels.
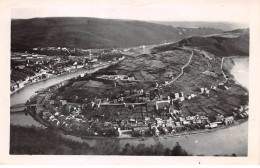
[{"x": 182, "y": 69}]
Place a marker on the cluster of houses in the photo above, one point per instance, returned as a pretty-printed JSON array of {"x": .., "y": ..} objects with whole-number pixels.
[
  {"x": 241, "y": 112},
  {"x": 168, "y": 118},
  {"x": 28, "y": 62},
  {"x": 26, "y": 56},
  {"x": 38, "y": 68},
  {"x": 42, "y": 74}
]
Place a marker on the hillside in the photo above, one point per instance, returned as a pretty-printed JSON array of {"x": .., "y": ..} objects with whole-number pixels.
[
  {"x": 175, "y": 69},
  {"x": 226, "y": 26},
  {"x": 94, "y": 33},
  {"x": 226, "y": 44}
]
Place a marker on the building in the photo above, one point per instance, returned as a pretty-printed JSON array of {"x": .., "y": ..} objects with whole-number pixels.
[
  {"x": 229, "y": 120},
  {"x": 211, "y": 125},
  {"x": 182, "y": 98},
  {"x": 202, "y": 90},
  {"x": 176, "y": 95}
]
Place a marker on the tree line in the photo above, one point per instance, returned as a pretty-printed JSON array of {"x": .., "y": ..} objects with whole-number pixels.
[{"x": 39, "y": 141}]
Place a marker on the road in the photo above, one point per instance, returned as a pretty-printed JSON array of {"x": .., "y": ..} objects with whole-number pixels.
[
  {"x": 121, "y": 104},
  {"x": 182, "y": 68}
]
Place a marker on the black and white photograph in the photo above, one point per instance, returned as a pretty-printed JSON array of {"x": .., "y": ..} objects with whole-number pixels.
[{"x": 141, "y": 78}]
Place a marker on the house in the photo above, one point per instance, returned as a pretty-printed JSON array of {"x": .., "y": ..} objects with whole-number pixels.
[
  {"x": 211, "y": 125},
  {"x": 229, "y": 120},
  {"x": 178, "y": 124},
  {"x": 219, "y": 117},
  {"x": 182, "y": 98},
  {"x": 203, "y": 118},
  {"x": 164, "y": 97},
  {"x": 193, "y": 95},
  {"x": 156, "y": 131},
  {"x": 197, "y": 121},
  {"x": 185, "y": 122},
  {"x": 63, "y": 102},
  {"x": 221, "y": 86},
  {"x": 147, "y": 118},
  {"x": 119, "y": 132},
  {"x": 106, "y": 124},
  {"x": 132, "y": 120},
  {"x": 169, "y": 75},
  {"x": 226, "y": 87},
  {"x": 245, "y": 114},
  {"x": 131, "y": 78},
  {"x": 202, "y": 90},
  {"x": 176, "y": 95},
  {"x": 170, "y": 124},
  {"x": 190, "y": 118},
  {"x": 20, "y": 67},
  {"x": 159, "y": 121},
  {"x": 140, "y": 130},
  {"x": 213, "y": 87},
  {"x": 181, "y": 119},
  {"x": 188, "y": 97},
  {"x": 241, "y": 109}
]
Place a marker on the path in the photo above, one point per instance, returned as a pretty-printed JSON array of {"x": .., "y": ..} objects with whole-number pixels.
[{"x": 182, "y": 69}]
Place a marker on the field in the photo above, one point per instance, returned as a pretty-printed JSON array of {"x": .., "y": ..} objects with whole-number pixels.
[
  {"x": 154, "y": 67},
  {"x": 165, "y": 63}
]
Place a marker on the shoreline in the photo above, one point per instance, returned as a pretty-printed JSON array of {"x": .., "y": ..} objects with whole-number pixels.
[
  {"x": 175, "y": 135},
  {"x": 165, "y": 136},
  {"x": 53, "y": 76},
  {"x": 228, "y": 71}
]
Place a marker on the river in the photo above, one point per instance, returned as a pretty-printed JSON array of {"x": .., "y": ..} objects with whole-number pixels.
[
  {"x": 221, "y": 142},
  {"x": 241, "y": 71},
  {"x": 22, "y": 95}
]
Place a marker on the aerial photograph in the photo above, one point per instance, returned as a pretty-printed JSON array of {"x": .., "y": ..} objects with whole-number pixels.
[{"x": 134, "y": 81}]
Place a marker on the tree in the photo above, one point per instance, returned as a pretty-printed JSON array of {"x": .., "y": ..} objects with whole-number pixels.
[
  {"x": 178, "y": 151},
  {"x": 167, "y": 152},
  {"x": 106, "y": 147}
]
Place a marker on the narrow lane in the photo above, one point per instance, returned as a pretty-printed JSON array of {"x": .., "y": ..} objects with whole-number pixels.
[{"x": 182, "y": 69}]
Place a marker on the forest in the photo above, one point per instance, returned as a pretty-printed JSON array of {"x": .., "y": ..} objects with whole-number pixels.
[{"x": 40, "y": 141}]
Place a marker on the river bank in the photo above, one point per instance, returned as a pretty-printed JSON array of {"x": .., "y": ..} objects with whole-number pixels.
[
  {"x": 22, "y": 95},
  {"x": 237, "y": 68},
  {"x": 52, "y": 76},
  {"x": 129, "y": 136},
  {"x": 230, "y": 139}
]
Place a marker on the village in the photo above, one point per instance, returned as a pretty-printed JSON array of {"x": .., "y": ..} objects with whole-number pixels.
[
  {"x": 133, "y": 113},
  {"x": 34, "y": 66}
]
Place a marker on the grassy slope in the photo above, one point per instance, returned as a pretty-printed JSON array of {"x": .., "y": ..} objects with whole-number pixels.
[
  {"x": 94, "y": 33},
  {"x": 219, "y": 46},
  {"x": 217, "y": 25}
]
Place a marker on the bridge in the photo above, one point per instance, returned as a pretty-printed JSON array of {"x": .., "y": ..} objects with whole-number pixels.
[
  {"x": 21, "y": 105},
  {"x": 18, "y": 108}
]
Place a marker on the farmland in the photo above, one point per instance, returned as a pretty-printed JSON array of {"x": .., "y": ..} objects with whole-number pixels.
[{"x": 164, "y": 89}]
